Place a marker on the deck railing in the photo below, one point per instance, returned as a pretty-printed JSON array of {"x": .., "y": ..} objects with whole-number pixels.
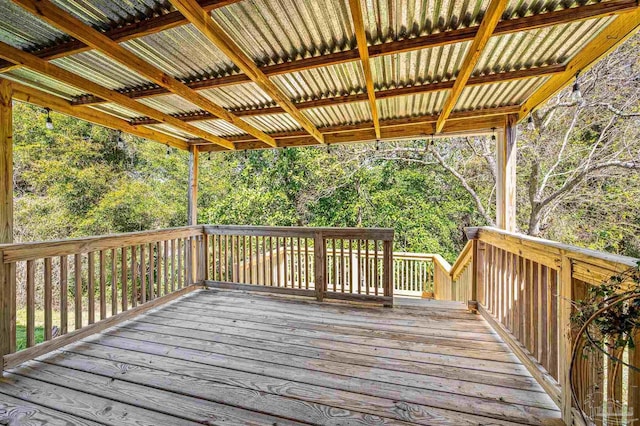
[
  {"x": 348, "y": 263},
  {"x": 112, "y": 278},
  {"x": 525, "y": 287}
]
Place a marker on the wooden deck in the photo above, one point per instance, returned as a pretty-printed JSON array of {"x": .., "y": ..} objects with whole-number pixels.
[{"x": 223, "y": 357}]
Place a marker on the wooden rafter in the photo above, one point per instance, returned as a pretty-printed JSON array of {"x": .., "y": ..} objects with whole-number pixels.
[
  {"x": 485, "y": 31},
  {"x": 472, "y": 126},
  {"x": 361, "y": 39},
  {"x": 432, "y": 40},
  {"x": 383, "y": 94},
  {"x": 43, "y": 67},
  {"x": 622, "y": 27},
  {"x": 209, "y": 28},
  {"x": 73, "y": 26},
  {"x": 46, "y": 100},
  {"x": 121, "y": 33}
]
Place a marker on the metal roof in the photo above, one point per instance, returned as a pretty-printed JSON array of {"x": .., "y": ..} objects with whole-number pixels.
[{"x": 286, "y": 33}]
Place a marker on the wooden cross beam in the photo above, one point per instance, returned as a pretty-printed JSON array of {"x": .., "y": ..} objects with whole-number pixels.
[
  {"x": 73, "y": 26},
  {"x": 363, "y": 49},
  {"x": 485, "y": 31},
  {"x": 43, "y": 67},
  {"x": 207, "y": 26}
]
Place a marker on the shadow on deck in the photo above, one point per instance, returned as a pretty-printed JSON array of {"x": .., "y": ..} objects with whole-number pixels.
[{"x": 226, "y": 357}]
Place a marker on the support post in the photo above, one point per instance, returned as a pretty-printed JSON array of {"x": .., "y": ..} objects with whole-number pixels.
[
  {"x": 319, "y": 265},
  {"x": 192, "y": 210},
  {"x": 565, "y": 288},
  {"x": 477, "y": 273},
  {"x": 7, "y": 287},
  {"x": 387, "y": 270},
  {"x": 506, "y": 175}
]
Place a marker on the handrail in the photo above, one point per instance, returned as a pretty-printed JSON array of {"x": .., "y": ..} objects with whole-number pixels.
[{"x": 524, "y": 287}]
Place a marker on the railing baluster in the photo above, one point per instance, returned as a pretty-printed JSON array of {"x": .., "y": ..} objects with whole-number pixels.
[
  {"x": 114, "y": 283},
  {"x": 143, "y": 274},
  {"x": 91, "y": 290},
  {"x": 63, "y": 294},
  {"x": 103, "y": 286},
  {"x": 134, "y": 277},
  {"x": 123, "y": 278},
  {"x": 151, "y": 272},
  {"x": 31, "y": 304},
  {"x": 77, "y": 269},
  {"x": 48, "y": 299}
]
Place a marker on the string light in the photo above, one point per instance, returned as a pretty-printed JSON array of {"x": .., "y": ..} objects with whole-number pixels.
[
  {"x": 209, "y": 157},
  {"x": 328, "y": 149},
  {"x": 120, "y": 141},
  {"x": 576, "y": 94},
  {"x": 246, "y": 154},
  {"x": 168, "y": 150},
  {"x": 530, "y": 124},
  {"x": 377, "y": 145},
  {"x": 493, "y": 136},
  {"x": 48, "y": 122}
]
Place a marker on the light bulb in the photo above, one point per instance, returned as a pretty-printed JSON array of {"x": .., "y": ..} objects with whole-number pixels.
[
  {"x": 530, "y": 124},
  {"x": 576, "y": 94},
  {"x": 48, "y": 122}
]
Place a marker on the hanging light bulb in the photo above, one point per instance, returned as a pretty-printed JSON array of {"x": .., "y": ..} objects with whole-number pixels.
[
  {"x": 209, "y": 157},
  {"x": 377, "y": 145},
  {"x": 328, "y": 149},
  {"x": 576, "y": 94},
  {"x": 48, "y": 122},
  {"x": 530, "y": 124},
  {"x": 168, "y": 150},
  {"x": 493, "y": 135},
  {"x": 120, "y": 141},
  {"x": 246, "y": 154},
  {"x": 433, "y": 139}
]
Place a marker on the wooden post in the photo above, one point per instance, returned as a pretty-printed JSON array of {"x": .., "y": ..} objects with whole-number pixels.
[
  {"x": 387, "y": 271},
  {"x": 319, "y": 265},
  {"x": 506, "y": 175},
  {"x": 7, "y": 288},
  {"x": 192, "y": 210},
  {"x": 565, "y": 288}
]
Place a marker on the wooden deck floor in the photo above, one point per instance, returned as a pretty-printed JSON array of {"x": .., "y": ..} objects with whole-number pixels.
[{"x": 222, "y": 357}]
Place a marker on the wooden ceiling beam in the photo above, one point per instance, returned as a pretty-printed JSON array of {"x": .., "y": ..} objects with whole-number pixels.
[
  {"x": 622, "y": 27},
  {"x": 485, "y": 31},
  {"x": 45, "y": 100},
  {"x": 41, "y": 66},
  {"x": 361, "y": 40},
  {"x": 473, "y": 126},
  {"x": 67, "y": 23},
  {"x": 383, "y": 94},
  {"x": 201, "y": 19},
  {"x": 528, "y": 23},
  {"x": 122, "y": 33}
]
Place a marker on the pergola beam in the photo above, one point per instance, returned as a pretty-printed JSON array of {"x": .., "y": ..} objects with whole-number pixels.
[
  {"x": 210, "y": 29},
  {"x": 623, "y": 27},
  {"x": 43, "y": 67},
  {"x": 432, "y": 40},
  {"x": 485, "y": 31},
  {"x": 383, "y": 94},
  {"x": 361, "y": 39},
  {"x": 76, "y": 28},
  {"x": 46, "y": 100}
]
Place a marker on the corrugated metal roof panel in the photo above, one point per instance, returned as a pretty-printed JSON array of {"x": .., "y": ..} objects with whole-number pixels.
[
  {"x": 106, "y": 14},
  {"x": 544, "y": 46},
  {"x": 97, "y": 67},
  {"x": 334, "y": 80},
  {"x": 239, "y": 96},
  {"x": 42, "y": 82},
  {"x": 418, "y": 66},
  {"x": 275, "y": 31},
  {"x": 520, "y": 8},
  {"x": 22, "y": 30},
  {"x": 273, "y": 123},
  {"x": 496, "y": 95},
  {"x": 170, "y": 104},
  {"x": 337, "y": 115},
  {"x": 182, "y": 52},
  {"x": 117, "y": 110},
  {"x": 171, "y": 131},
  {"x": 412, "y": 105},
  {"x": 219, "y": 128},
  {"x": 387, "y": 20}
]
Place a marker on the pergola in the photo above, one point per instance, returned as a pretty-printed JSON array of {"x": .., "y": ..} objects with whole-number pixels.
[{"x": 209, "y": 75}]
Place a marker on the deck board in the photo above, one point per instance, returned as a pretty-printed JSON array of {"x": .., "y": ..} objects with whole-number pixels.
[{"x": 223, "y": 357}]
